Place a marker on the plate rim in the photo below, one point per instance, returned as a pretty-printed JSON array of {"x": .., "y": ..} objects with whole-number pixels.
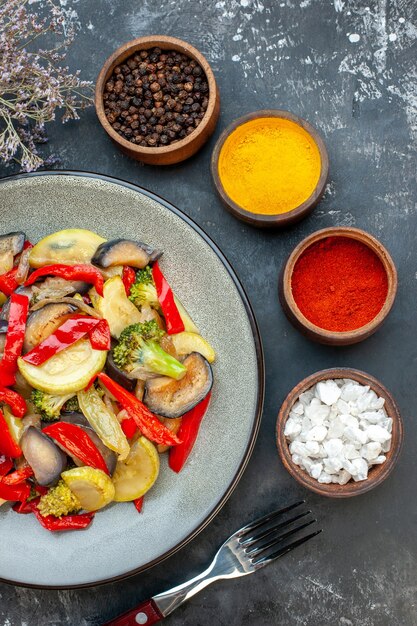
[{"x": 259, "y": 358}]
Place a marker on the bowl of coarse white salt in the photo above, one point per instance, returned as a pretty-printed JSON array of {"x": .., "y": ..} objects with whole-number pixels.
[{"x": 339, "y": 432}]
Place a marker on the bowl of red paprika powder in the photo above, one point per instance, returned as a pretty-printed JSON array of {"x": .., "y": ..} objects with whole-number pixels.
[{"x": 338, "y": 285}]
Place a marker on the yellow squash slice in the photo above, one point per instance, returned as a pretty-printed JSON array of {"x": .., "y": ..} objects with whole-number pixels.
[
  {"x": 93, "y": 488},
  {"x": 65, "y": 372},
  {"x": 188, "y": 342},
  {"x": 115, "y": 306},
  {"x": 134, "y": 476},
  {"x": 70, "y": 246}
]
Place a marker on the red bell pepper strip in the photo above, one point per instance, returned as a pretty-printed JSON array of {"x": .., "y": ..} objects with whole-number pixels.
[
  {"x": 84, "y": 272},
  {"x": 128, "y": 278},
  {"x": 138, "y": 504},
  {"x": 19, "y": 306},
  {"x": 16, "y": 493},
  {"x": 14, "y": 400},
  {"x": 41, "y": 490},
  {"x": 57, "y": 524},
  {"x": 78, "y": 443},
  {"x": 8, "y": 445},
  {"x": 18, "y": 476},
  {"x": 100, "y": 336},
  {"x": 8, "y": 282},
  {"x": 129, "y": 427},
  {"x": 147, "y": 422},
  {"x": 172, "y": 316},
  {"x": 188, "y": 430},
  {"x": 22, "y": 507},
  {"x": 5, "y": 466},
  {"x": 71, "y": 331}
]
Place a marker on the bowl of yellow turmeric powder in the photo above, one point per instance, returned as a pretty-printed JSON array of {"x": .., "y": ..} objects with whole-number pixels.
[{"x": 270, "y": 168}]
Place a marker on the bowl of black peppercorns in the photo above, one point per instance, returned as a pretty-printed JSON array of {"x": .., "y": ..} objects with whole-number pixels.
[{"x": 157, "y": 98}]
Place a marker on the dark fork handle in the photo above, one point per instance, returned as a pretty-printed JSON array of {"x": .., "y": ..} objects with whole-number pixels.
[{"x": 144, "y": 614}]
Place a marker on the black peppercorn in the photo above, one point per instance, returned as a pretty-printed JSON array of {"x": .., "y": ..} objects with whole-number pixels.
[{"x": 156, "y": 98}]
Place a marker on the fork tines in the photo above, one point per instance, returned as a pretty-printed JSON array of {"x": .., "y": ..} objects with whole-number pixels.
[{"x": 264, "y": 540}]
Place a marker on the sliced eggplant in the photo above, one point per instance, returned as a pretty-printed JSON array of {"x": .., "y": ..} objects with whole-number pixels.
[
  {"x": 108, "y": 455},
  {"x": 44, "y": 322},
  {"x": 44, "y": 457},
  {"x": 55, "y": 287},
  {"x": 3, "y": 331},
  {"x": 25, "y": 291},
  {"x": 118, "y": 375},
  {"x": 13, "y": 242},
  {"x": 172, "y": 398},
  {"x": 125, "y": 252}
]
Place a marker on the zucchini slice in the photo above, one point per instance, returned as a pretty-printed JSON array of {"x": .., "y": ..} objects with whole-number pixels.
[
  {"x": 115, "y": 306},
  {"x": 68, "y": 371},
  {"x": 70, "y": 246}
]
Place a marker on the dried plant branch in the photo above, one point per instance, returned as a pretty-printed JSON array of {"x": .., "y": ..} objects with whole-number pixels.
[{"x": 33, "y": 82}]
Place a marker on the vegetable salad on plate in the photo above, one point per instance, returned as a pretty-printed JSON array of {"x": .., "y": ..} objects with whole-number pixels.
[{"x": 101, "y": 370}]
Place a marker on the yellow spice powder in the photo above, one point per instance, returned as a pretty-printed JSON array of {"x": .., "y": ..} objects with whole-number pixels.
[{"x": 269, "y": 165}]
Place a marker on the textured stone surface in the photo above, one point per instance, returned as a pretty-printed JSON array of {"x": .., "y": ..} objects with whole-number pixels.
[{"x": 304, "y": 56}]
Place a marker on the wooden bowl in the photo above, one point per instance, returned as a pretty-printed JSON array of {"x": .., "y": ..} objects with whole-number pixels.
[
  {"x": 377, "y": 473},
  {"x": 282, "y": 219},
  {"x": 182, "y": 149},
  {"x": 335, "y": 338}
]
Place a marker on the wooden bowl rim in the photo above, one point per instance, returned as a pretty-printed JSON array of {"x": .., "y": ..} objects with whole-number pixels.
[
  {"x": 278, "y": 219},
  {"x": 351, "y": 488},
  {"x": 143, "y": 43},
  {"x": 367, "y": 239}
]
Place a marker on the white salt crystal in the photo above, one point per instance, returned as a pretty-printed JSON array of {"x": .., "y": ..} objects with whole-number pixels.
[
  {"x": 386, "y": 445},
  {"x": 297, "y": 459},
  {"x": 307, "y": 463},
  {"x": 315, "y": 470},
  {"x": 351, "y": 391},
  {"x": 371, "y": 450},
  {"x": 333, "y": 447},
  {"x": 342, "y": 406},
  {"x": 313, "y": 448},
  {"x": 344, "y": 477},
  {"x": 318, "y": 433},
  {"x": 356, "y": 435},
  {"x": 379, "y": 459},
  {"x": 298, "y": 408},
  {"x": 348, "y": 466},
  {"x": 292, "y": 428},
  {"x": 373, "y": 417},
  {"x": 349, "y": 420},
  {"x": 296, "y": 447},
  {"x": 351, "y": 452},
  {"x": 333, "y": 464},
  {"x": 324, "y": 478},
  {"x": 336, "y": 428},
  {"x": 387, "y": 424},
  {"x": 328, "y": 392},
  {"x": 317, "y": 412},
  {"x": 306, "y": 397},
  {"x": 377, "y": 403},
  {"x": 377, "y": 433},
  {"x": 360, "y": 469}
]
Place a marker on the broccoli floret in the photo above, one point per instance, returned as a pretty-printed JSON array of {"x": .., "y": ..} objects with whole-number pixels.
[
  {"x": 143, "y": 290},
  {"x": 49, "y": 405},
  {"x": 59, "y": 501},
  {"x": 139, "y": 347},
  {"x": 72, "y": 406}
]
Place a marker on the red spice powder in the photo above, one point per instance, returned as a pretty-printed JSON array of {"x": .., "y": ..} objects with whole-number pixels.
[{"x": 339, "y": 284}]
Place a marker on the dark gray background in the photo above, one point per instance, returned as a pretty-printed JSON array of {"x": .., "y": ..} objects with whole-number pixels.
[{"x": 362, "y": 96}]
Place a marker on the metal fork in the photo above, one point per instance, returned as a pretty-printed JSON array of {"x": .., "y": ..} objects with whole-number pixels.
[{"x": 255, "y": 545}]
